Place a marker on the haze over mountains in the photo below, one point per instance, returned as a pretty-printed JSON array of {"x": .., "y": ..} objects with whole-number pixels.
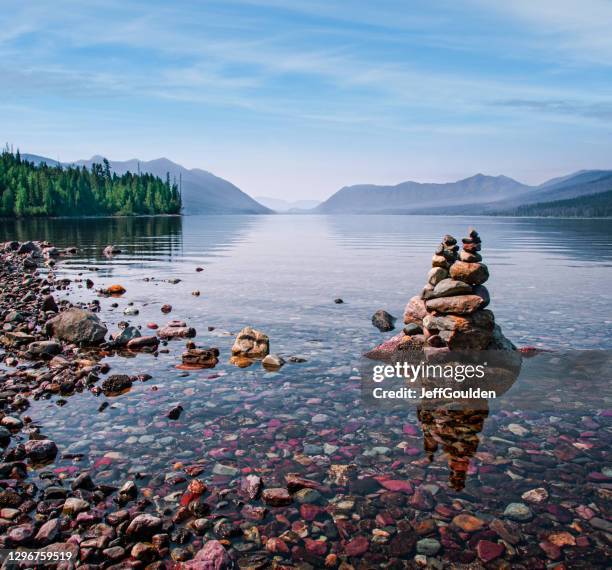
[
  {"x": 583, "y": 193},
  {"x": 479, "y": 194}
]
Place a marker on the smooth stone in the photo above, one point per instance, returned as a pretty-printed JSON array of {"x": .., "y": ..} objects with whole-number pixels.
[
  {"x": 450, "y": 287},
  {"x": 472, "y": 273},
  {"x": 428, "y": 546},
  {"x": 435, "y": 275},
  {"x": 518, "y": 512}
]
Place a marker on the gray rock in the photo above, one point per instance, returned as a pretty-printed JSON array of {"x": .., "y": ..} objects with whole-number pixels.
[
  {"x": 518, "y": 512},
  {"x": 435, "y": 275},
  {"x": 40, "y": 449},
  {"x": 5, "y": 437},
  {"x": 77, "y": 326},
  {"x": 124, "y": 336},
  {"x": 449, "y": 287},
  {"x": 428, "y": 546},
  {"x": 43, "y": 349},
  {"x": 383, "y": 321}
]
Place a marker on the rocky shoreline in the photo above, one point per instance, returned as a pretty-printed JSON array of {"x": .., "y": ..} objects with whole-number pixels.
[{"x": 362, "y": 502}]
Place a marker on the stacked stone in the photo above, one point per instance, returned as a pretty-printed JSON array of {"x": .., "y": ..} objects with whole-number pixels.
[{"x": 451, "y": 311}]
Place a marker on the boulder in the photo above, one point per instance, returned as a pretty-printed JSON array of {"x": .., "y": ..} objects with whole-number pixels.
[
  {"x": 76, "y": 326},
  {"x": 251, "y": 343},
  {"x": 383, "y": 321}
]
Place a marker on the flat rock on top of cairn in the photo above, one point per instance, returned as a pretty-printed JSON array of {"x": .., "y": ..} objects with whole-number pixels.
[{"x": 451, "y": 310}]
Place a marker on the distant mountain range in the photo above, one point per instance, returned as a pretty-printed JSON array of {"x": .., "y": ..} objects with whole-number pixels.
[
  {"x": 283, "y": 206},
  {"x": 583, "y": 193},
  {"x": 203, "y": 192},
  {"x": 477, "y": 195}
]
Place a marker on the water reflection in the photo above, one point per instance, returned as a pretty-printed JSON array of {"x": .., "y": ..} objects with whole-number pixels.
[{"x": 455, "y": 432}]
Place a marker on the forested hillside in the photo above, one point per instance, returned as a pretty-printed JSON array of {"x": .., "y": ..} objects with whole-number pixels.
[
  {"x": 28, "y": 189},
  {"x": 593, "y": 206}
]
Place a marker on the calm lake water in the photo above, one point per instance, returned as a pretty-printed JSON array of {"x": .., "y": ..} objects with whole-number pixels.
[{"x": 550, "y": 288}]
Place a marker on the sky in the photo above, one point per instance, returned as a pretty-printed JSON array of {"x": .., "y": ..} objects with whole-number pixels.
[{"x": 297, "y": 98}]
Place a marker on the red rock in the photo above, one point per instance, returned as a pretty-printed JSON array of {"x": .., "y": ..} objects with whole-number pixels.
[
  {"x": 357, "y": 546},
  {"x": 488, "y": 550},
  {"x": 277, "y": 545},
  {"x": 295, "y": 483},
  {"x": 458, "y": 305},
  {"x": 398, "y": 486},
  {"x": 142, "y": 342},
  {"x": 277, "y": 497},
  {"x": 553, "y": 552},
  {"x": 315, "y": 547},
  {"x": 561, "y": 539},
  {"x": 468, "y": 523},
  {"x": 472, "y": 273},
  {"x": 415, "y": 311},
  {"x": 310, "y": 512},
  {"x": 211, "y": 557}
]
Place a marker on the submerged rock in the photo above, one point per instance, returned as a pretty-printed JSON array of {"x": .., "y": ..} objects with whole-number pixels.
[{"x": 116, "y": 384}]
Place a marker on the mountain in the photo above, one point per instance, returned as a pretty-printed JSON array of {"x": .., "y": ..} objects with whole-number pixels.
[
  {"x": 203, "y": 192},
  {"x": 39, "y": 159},
  {"x": 411, "y": 196},
  {"x": 280, "y": 205},
  {"x": 585, "y": 183}
]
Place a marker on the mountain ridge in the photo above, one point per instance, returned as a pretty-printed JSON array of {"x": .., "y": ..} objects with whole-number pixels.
[{"x": 203, "y": 192}]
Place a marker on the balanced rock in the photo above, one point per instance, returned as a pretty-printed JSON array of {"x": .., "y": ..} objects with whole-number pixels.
[
  {"x": 450, "y": 313},
  {"x": 450, "y": 287},
  {"x": 461, "y": 304},
  {"x": 472, "y": 273}
]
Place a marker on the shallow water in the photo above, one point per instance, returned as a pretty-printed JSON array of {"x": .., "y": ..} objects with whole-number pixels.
[{"x": 280, "y": 274}]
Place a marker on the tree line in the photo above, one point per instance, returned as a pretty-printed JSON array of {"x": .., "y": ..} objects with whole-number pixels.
[
  {"x": 28, "y": 189},
  {"x": 590, "y": 206}
]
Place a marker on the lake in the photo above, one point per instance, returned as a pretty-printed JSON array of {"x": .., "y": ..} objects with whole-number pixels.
[{"x": 550, "y": 289}]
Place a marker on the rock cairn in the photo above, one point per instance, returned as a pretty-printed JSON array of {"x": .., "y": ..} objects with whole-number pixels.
[{"x": 451, "y": 313}]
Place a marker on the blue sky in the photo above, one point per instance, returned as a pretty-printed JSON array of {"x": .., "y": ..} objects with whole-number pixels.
[{"x": 296, "y": 98}]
